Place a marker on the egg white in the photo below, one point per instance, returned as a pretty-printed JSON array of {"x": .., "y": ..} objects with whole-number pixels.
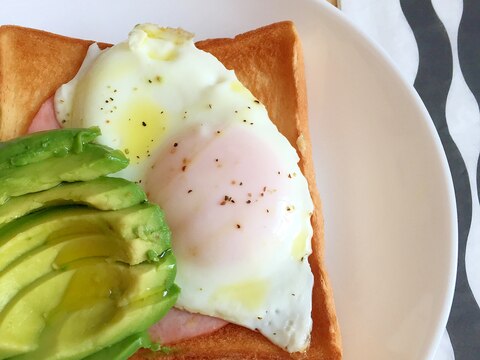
[{"x": 205, "y": 150}]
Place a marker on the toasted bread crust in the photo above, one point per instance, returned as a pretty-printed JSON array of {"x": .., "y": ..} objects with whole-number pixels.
[
  {"x": 269, "y": 62},
  {"x": 31, "y": 65}
]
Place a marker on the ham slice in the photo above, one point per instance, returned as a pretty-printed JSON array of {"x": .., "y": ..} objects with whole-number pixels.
[
  {"x": 177, "y": 325},
  {"x": 45, "y": 118}
]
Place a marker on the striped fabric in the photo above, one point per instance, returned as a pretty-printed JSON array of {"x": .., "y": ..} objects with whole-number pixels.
[{"x": 436, "y": 45}]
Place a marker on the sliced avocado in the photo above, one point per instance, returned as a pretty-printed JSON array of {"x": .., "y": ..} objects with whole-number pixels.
[
  {"x": 124, "y": 348},
  {"x": 51, "y": 245},
  {"x": 86, "y": 302},
  {"x": 53, "y": 256},
  {"x": 104, "y": 193},
  {"x": 20, "y": 326},
  {"x": 85, "y": 262},
  {"x": 43, "y": 145},
  {"x": 89, "y": 163},
  {"x": 143, "y": 226},
  {"x": 60, "y": 341}
]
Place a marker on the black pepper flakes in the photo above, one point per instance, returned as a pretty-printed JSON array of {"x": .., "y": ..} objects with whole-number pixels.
[
  {"x": 184, "y": 167},
  {"x": 238, "y": 226},
  {"x": 227, "y": 199},
  {"x": 144, "y": 123},
  {"x": 150, "y": 81},
  {"x": 175, "y": 145},
  {"x": 189, "y": 191},
  {"x": 256, "y": 101},
  {"x": 210, "y": 106},
  {"x": 249, "y": 201}
]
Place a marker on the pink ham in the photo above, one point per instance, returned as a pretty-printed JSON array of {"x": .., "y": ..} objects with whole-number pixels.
[
  {"x": 45, "y": 118},
  {"x": 177, "y": 325}
]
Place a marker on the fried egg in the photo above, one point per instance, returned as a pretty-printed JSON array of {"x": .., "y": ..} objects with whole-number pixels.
[{"x": 206, "y": 151}]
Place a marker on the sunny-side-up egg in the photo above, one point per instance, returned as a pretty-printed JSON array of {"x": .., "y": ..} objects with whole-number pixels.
[{"x": 206, "y": 151}]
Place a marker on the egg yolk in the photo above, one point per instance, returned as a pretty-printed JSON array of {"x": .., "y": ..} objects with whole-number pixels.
[
  {"x": 234, "y": 193},
  {"x": 141, "y": 126}
]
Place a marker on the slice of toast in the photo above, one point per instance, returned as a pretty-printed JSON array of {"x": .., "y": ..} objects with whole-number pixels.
[{"x": 269, "y": 62}]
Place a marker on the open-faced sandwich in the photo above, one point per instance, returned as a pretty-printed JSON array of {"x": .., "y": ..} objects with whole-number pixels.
[{"x": 215, "y": 135}]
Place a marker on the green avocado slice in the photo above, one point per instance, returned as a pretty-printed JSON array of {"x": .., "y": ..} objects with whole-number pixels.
[
  {"x": 52, "y": 256},
  {"x": 124, "y": 348},
  {"x": 86, "y": 264},
  {"x": 82, "y": 308},
  {"x": 43, "y": 145},
  {"x": 93, "y": 161},
  {"x": 129, "y": 346},
  {"x": 15, "y": 335},
  {"x": 142, "y": 226},
  {"x": 135, "y": 317},
  {"x": 103, "y": 193}
]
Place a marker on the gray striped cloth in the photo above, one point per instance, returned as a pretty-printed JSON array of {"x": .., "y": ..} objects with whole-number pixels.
[{"x": 436, "y": 46}]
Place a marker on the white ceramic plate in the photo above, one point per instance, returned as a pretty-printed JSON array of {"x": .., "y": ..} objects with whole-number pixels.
[{"x": 387, "y": 195}]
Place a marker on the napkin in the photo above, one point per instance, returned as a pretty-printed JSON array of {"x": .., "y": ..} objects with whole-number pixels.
[{"x": 435, "y": 44}]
